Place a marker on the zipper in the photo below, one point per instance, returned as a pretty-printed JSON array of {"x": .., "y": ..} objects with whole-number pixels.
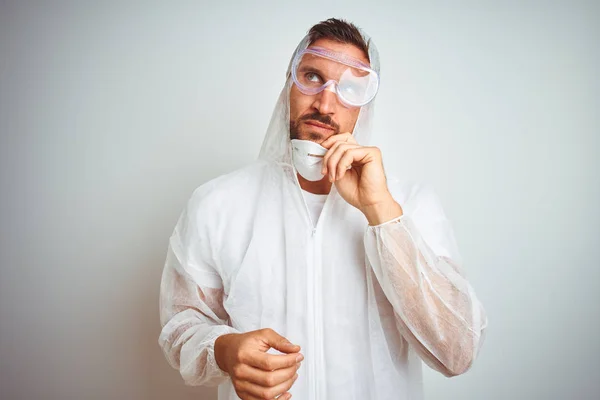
[
  {"x": 315, "y": 297},
  {"x": 318, "y": 311},
  {"x": 310, "y": 279}
]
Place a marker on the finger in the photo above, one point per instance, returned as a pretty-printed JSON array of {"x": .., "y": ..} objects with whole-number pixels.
[
  {"x": 266, "y": 378},
  {"x": 340, "y": 137},
  {"x": 332, "y": 142},
  {"x": 285, "y": 386},
  {"x": 278, "y": 342},
  {"x": 327, "y": 155},
  {"x": 331, "y": 152},
  {"x": 272, "y": 362},
  {"x": 357, "y": 155},
  {"x": 248, "y": 396},
  {"x": 361, "y": 155},
  {"x": 343, "y": 165},
  {"x": 343, "y": 137},
  {"x": 335, "y": 157},
  {"x": 263, "y": 392}
]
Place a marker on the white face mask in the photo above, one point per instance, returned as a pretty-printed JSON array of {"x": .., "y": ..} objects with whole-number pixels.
[{"x": 305, "y": 158}]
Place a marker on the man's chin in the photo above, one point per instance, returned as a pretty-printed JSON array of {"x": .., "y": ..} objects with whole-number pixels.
[
  {"x": 314, "y": 135},
  {"x": 309, "y": 135}
]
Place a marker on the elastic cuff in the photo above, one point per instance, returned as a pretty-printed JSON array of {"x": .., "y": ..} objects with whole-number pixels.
[{"x": 397, "y": 219}]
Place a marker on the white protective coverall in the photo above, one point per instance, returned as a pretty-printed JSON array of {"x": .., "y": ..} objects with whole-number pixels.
[{"x": 365, "y": 303}]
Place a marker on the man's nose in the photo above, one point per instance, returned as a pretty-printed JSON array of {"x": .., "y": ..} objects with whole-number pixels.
[{"x": 326, "y": 101}]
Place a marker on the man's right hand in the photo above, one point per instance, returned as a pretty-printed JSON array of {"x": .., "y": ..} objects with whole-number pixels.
[{"x": 254, "y": 373}]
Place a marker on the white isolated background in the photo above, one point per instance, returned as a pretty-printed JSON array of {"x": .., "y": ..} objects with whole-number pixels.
[{"x": 112, "y": 112}]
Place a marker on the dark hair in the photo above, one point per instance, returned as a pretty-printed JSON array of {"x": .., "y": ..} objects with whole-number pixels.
[{"x": 340, "y": 31}]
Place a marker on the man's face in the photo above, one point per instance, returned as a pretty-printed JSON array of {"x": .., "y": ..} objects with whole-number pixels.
[{"x": 322, "y": 115}]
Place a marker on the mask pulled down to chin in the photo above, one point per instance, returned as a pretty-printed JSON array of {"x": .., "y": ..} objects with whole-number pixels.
[{"x": 307, "y": 157}]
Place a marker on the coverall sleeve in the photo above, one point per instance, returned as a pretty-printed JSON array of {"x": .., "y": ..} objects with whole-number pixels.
[
  {"x": 417, "y": 264},
  {"x": 191, "y": 304}
]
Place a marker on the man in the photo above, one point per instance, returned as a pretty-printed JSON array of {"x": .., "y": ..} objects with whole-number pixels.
[{"x": 308, "y": 272}]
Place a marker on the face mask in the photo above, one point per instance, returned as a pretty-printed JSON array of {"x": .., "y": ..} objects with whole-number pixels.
[{"x": 307, "y": 157}]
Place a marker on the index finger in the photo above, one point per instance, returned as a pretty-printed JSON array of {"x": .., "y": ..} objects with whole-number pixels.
[
  {"x": 272, "y": 362},
  {"x": 344, "y": 137}
]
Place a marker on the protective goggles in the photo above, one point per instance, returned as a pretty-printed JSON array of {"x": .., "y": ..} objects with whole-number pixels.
[{"x": 315, "y": 69}]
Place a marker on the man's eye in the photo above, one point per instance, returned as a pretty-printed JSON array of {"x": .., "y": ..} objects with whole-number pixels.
[{"x": 312, "y": 77}]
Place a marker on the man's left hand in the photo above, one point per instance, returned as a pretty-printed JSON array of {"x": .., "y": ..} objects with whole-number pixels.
[{"x": 357, "y": 172}]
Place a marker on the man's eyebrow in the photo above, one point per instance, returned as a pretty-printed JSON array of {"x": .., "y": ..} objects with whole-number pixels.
[{"x": 310, "y": 68}]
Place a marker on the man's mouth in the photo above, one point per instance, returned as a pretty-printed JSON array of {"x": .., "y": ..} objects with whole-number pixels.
[{"x": 319, "y": 125}]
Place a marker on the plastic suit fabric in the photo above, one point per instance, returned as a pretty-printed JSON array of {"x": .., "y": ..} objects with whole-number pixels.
[{"x": 366, "y": 303}]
